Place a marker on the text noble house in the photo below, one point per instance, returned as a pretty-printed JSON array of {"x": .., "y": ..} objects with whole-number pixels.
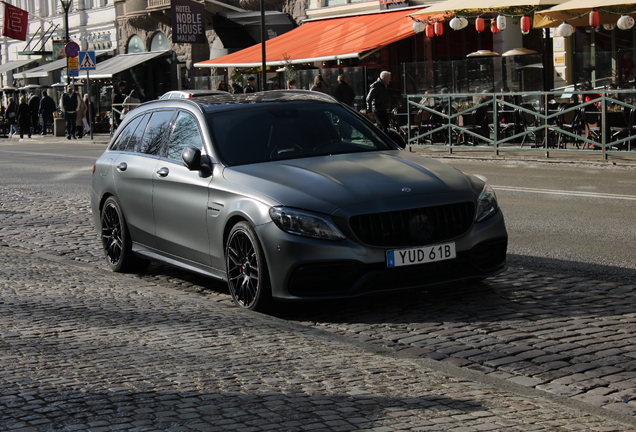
[{"x": 188, "y": 22}]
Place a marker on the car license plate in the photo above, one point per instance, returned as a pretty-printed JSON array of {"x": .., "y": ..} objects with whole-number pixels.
[{"x": 422, "y": 255}]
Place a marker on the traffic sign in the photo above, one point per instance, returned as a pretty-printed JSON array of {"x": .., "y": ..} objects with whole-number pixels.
[
  {"x": 72, "y": 63},
  {"x": 87, "y": 60},
  {"x": 72, "y": 49},
  {"x": 72, "y": 66}
]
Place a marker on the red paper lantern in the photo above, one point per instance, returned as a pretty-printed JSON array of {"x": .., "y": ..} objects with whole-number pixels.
[
  {"x": 480, "y": 25},
  {"x": 493, "y": 27},
  {"x": 595, "y": 18},
  {"x": 439, "y": 28},
  {"x": 525, "y": 24},
  {"x": 430, "y": 31}
]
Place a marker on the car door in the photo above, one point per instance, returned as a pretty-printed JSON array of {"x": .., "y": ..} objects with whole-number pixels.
[
  {"x": 180, "y": 197},
  {"x": 133, "y": 171}
]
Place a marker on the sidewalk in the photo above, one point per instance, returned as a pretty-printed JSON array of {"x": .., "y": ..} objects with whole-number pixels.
[
  {"x": 536, "y": 155},
  {"x": 100, "y": 138},
  {"x": 88, "y": 349}
]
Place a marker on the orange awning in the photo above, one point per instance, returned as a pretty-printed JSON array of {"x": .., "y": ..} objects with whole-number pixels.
[{"x": 328, "y": 39}]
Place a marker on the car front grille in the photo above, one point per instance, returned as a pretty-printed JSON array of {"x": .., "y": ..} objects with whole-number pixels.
[{"x": 413, "y": 227}]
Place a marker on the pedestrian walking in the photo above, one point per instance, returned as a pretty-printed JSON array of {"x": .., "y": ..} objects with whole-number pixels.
[
  {"x": 80, "y": 117},
  {"x": 222, "y": 86},
  {"x": 249, "y": 88},
  {"x": 24, "y": 117},
  {"x": 46, "y": 110},
  {"x": 69, "y": 104},
  {"x": 89, "y": 118},
  {"x": 34, "y": 106},
  {"x": 379, "y": 100},
  {"x": 10, "y": 115},
  {"x": 237, "y": 88},
  {"x": 344, "y": 92},
  {"x": 320, "y": 85},
  {"x": 117, "y": 100},
  {"x": 130, "y": 103}
]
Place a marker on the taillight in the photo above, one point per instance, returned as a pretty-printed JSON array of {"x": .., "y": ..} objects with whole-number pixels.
[{"x": 94, "y": 168}]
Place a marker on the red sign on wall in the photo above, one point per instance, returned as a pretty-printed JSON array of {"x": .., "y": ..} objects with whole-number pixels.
[{"x": 15, "y": 22}]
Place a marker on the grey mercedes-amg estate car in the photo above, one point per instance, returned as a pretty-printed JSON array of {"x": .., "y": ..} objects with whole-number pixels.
[{"x": 288, "y": 195}]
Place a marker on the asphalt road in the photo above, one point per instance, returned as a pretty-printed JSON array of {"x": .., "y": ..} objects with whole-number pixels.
[
  {"x": 576, "y": 218},
  {"x": 49, "y": 165}
]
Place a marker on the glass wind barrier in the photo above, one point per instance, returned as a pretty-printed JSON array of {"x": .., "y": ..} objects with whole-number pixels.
[
  {"x": 596, "y": 121},
  {"x": 475, "y": 75}
]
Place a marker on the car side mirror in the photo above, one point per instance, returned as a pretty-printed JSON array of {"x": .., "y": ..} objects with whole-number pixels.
[{"x": 191, "y": 157}]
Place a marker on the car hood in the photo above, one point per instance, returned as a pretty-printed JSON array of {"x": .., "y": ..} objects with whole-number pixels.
[{"x": 329, "y": 183}]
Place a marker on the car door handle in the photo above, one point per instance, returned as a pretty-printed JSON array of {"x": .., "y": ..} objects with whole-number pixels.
[
  {"x": 163, "y": 172},
  {"x": 122, "y": 166}
]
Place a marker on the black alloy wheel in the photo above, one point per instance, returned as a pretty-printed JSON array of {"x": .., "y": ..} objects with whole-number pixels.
[
  {"x": 116, "y": 241},
  {"x": 248, "y": 278}
]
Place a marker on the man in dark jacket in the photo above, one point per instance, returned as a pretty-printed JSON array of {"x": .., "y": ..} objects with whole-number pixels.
[
  {"x": 69, "y": 104},
  {"x": 344, "y": 92},
  {"x": 238, "y": 89},
  {"x": 46, "y": 110},
  {"x": 34, "y": 106},
  {"x": 249, "y": 88},
  {"x": 379, "y": 100}
]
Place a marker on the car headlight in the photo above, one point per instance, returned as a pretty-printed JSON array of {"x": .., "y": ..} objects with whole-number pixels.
[
  {"x": 486, "y": 204},
  {"x": 305, "y": 224}
]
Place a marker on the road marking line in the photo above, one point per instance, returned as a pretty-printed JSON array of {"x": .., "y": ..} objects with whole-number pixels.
[{"x": 567, "y": 193}]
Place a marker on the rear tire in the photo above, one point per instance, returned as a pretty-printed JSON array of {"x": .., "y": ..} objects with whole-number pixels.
[
  {"x": 247, "y": 274},
  {"x": 116, "y": 241}
]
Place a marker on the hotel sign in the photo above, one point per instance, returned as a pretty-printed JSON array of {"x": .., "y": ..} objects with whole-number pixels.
[{"x": 188, "y": 22}]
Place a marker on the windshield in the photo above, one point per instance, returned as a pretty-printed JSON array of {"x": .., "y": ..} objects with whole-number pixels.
[{"x": 247, "y": 134}]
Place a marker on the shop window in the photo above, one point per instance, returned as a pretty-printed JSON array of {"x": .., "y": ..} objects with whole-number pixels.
[
  {"x": 159, "y": 42},
  {"x": 135, "y": 45}
]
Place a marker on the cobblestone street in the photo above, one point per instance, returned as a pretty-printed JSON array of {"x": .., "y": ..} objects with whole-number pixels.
[{"x": 85, "y": 349}]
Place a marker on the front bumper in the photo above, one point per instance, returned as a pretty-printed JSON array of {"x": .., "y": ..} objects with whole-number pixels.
[
  {"x": 304, "y": 268},
  {"x": 339, "y": 279}
]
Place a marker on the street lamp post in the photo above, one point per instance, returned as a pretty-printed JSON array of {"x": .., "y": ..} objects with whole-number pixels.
[
  {"x": 66, "y": 4},
  {"x": 263, "y": 53}
]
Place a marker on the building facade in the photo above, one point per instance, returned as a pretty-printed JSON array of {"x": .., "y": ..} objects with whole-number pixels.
[{"x": 91, "y": 23}]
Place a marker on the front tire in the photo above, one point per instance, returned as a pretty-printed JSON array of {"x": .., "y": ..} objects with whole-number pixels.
[
  {"x": 247, "y": 275},
  {"x": 116, "y": 241}
]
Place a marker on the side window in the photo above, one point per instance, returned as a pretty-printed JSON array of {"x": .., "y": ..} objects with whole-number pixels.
[
  {"x": 121, "y": 144},
  {"x": 186, "y": 132},
  {"x": 156, "y": 132},
  {"x": 137, "y": 133}
]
